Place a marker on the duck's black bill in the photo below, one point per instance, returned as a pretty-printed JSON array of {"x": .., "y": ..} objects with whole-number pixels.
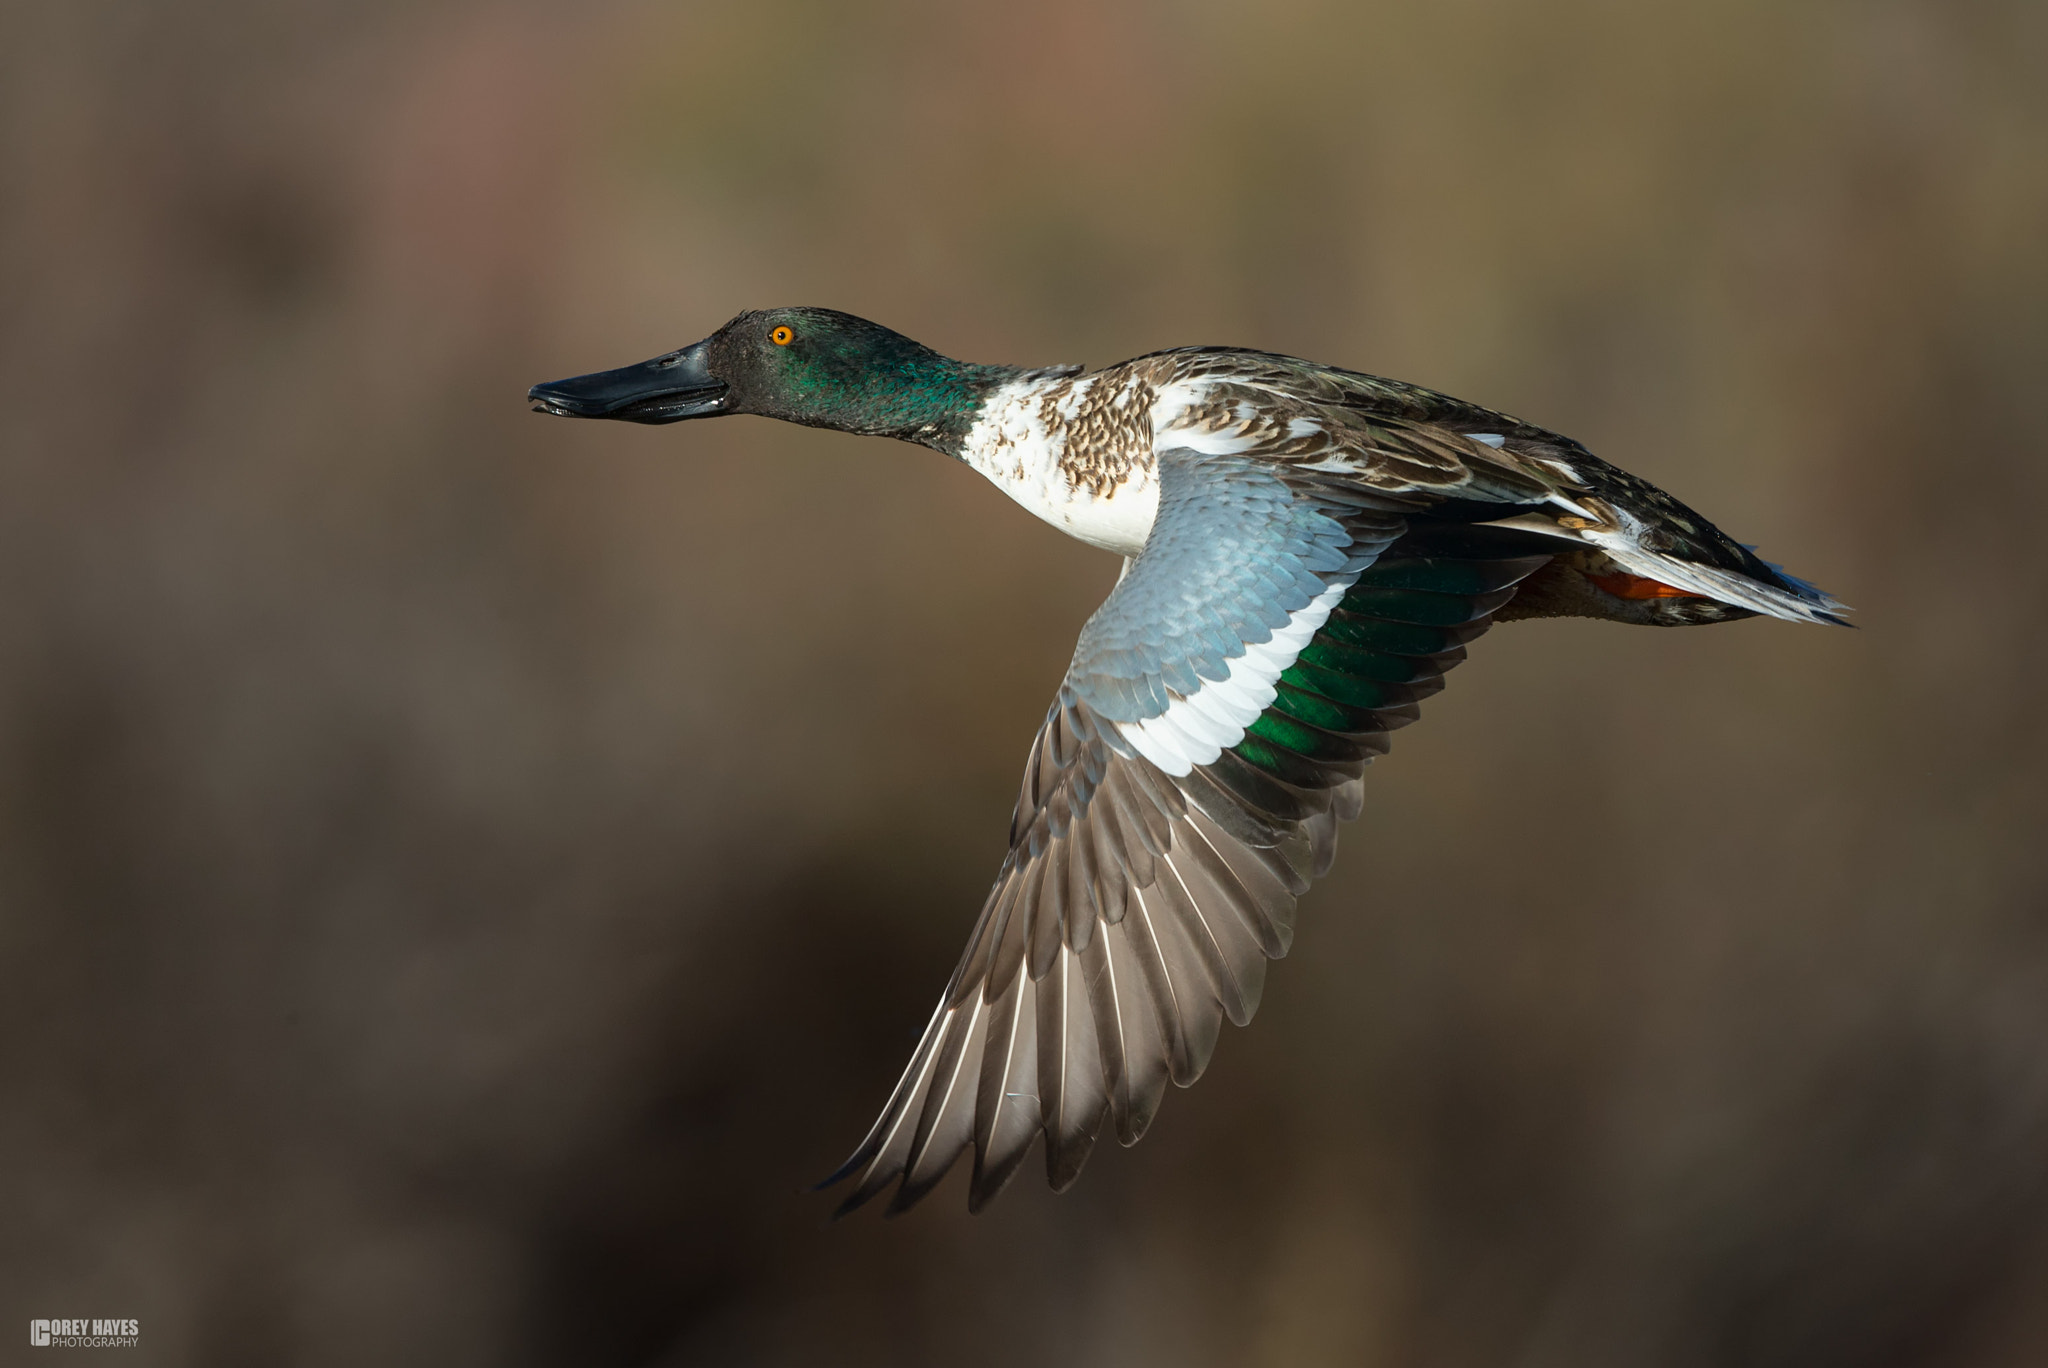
[{"x": 667, "y": 389}]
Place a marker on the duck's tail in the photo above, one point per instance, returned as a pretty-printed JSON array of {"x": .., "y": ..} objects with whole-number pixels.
[
  {"x": 1641, "y": 574},
  {"x": 1632, "y": 553}
]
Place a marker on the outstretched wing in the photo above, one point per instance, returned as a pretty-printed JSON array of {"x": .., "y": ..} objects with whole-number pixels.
[{"x": 1185, "y": 788}]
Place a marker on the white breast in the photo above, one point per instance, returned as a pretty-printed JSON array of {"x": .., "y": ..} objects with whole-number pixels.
[{"x": 1010, "y": 444}]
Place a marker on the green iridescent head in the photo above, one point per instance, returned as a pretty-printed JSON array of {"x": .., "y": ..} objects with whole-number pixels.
[{"x": 818, "y": 367}]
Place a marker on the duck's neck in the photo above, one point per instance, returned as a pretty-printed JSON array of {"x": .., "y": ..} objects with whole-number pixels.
[
  {"x": 899, "y": 389},
  {"x": 933, "y": 401}
]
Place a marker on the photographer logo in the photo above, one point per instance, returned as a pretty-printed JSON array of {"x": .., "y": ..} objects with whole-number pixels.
[{"x": 113, "y": 1333}]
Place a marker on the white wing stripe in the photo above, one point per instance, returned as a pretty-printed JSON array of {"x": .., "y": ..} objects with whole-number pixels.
[{"x": 1152, "y": 743}]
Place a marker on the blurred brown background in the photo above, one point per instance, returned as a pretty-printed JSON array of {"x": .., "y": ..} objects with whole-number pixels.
[{"x": 460, "y": 873}]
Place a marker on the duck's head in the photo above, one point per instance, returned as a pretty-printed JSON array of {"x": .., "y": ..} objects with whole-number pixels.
[{"x": 818, "y": 367}]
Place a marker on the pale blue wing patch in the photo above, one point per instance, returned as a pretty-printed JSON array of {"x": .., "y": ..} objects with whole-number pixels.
[
  {"x": 1239, "y": 573},
  {"x": 1202, "y": 722}
]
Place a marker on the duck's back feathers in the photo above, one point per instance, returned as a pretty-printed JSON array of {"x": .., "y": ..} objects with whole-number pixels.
[{"x": 1628, "y": 551}]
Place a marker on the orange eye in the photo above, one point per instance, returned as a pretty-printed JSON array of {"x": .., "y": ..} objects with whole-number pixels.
[{"x": 782, "y": 336}]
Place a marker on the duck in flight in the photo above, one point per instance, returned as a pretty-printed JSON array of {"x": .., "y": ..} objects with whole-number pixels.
[{"x": 1307, "y": 551}]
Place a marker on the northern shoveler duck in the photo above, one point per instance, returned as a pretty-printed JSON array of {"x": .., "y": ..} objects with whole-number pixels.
[{"x": 1307, "y": 551}]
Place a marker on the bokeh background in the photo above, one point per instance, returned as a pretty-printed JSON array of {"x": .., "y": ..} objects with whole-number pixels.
[{"x": 461, "y": 873}]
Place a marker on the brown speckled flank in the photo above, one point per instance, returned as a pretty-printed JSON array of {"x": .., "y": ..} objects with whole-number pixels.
[{"x": 1110, "y": 430}]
